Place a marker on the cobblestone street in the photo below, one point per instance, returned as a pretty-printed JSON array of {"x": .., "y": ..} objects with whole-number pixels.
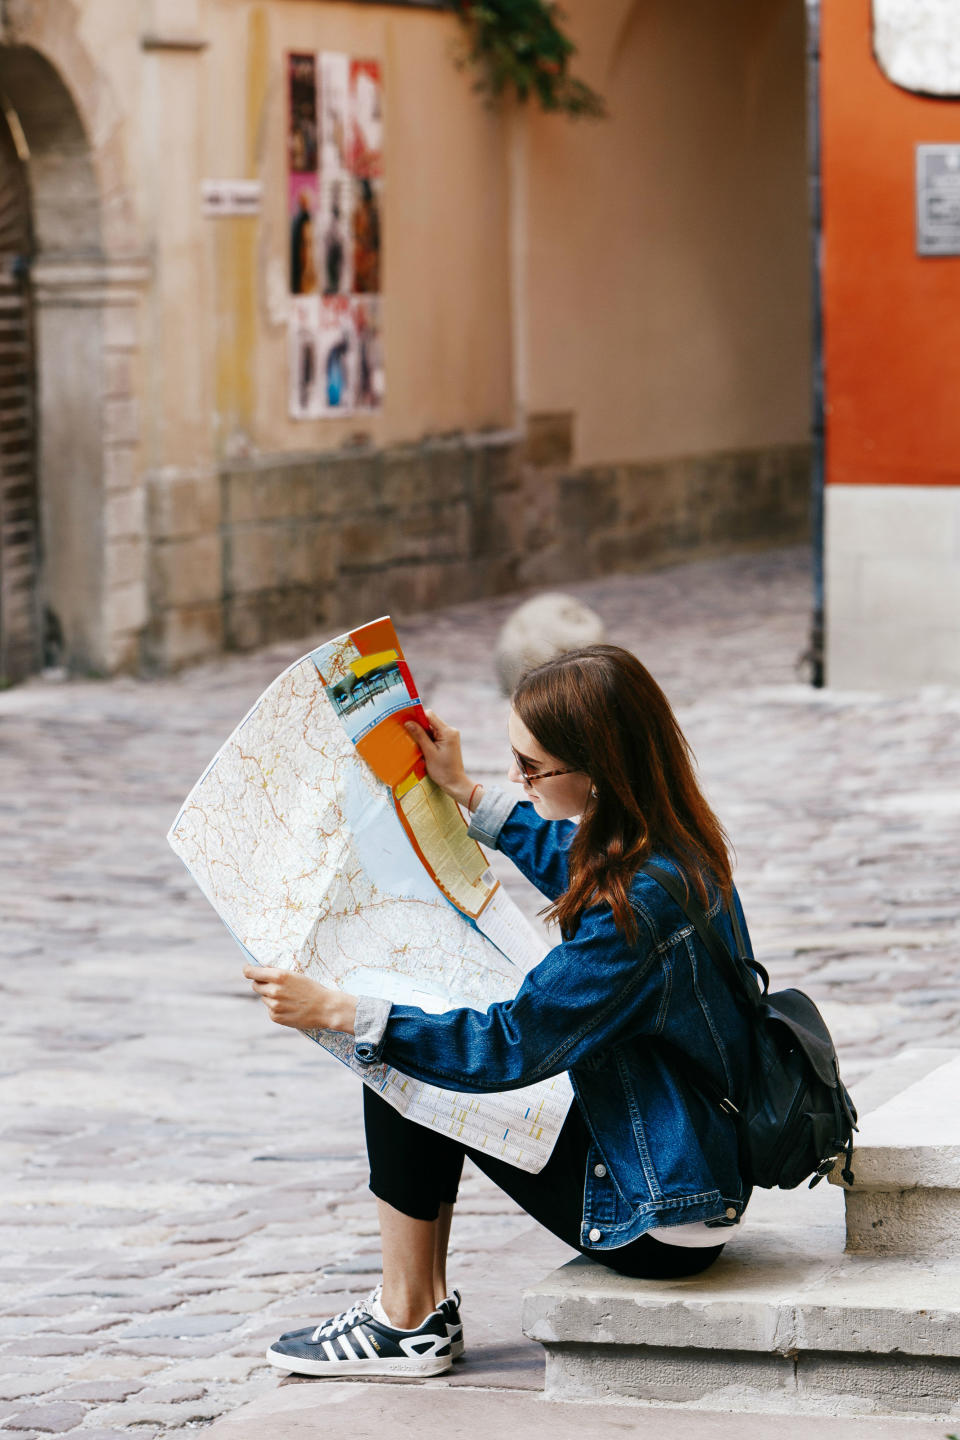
[{"x": 182, "y": 1180}]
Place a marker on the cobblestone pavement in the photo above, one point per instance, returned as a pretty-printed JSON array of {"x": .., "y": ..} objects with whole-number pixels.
[{"x": 181, "y": 1180}]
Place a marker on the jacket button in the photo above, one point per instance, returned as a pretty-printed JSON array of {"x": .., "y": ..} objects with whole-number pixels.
[
  {"x": 594, "y": 1236},
  {"x": 599, "y": 1171},
  {"x": 731, "y": 1213}
]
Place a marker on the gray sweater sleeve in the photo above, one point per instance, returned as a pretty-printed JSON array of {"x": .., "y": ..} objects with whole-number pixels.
[{"x": 491, "y": 814}]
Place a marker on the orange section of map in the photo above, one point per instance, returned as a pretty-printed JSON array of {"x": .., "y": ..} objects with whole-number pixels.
[{"x": 389, "y": 750}]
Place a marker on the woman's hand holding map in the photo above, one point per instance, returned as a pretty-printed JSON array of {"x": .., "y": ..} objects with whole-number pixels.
[
  {"x": 303, "y": 1004},
  {"x": 444, "y": 760}
]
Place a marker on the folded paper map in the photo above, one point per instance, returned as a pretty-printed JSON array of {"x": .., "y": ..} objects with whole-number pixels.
[{"x": 324, "y": 846}]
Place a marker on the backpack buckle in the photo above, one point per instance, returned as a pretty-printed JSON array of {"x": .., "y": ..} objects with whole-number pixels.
[{"x": 728, "y": 1105}]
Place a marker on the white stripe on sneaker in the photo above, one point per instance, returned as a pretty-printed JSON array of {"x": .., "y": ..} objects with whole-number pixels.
[
  {"x": 348, "y": 1351},
  {"x": 363, "y": 1342},
  {"x": 329, "y": 1351}
]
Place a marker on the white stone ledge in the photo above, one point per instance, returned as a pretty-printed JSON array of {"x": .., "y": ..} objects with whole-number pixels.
[{"x": 788, "y": 1320}]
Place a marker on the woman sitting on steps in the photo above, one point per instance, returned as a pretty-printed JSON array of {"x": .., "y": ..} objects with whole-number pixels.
[{"x": 644, "y": 1176}]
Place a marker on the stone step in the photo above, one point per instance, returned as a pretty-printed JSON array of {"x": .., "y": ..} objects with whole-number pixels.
[
  {"x": 906, "y": 1199},
  {"x": 788, "y": 1320},
  {"x": 409, "y": 1411}
]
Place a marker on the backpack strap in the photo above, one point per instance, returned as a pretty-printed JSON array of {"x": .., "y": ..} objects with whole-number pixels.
[
  {"x": 740, "y": 969},
  {"x": 738, "y": 974}
]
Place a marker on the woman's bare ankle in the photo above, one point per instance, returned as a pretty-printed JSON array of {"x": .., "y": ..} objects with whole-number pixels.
[{"x": 407, "y": 1310}]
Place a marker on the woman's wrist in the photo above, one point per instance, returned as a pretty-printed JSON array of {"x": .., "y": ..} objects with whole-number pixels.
[
  {"x": 466, "y": 792},
  {"x": 339, "y": 1012}
]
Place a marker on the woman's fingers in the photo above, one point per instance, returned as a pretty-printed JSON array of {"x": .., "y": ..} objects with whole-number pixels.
[
  {"x": 259, "y": 974},
  {"x": 417, "y": 733}
]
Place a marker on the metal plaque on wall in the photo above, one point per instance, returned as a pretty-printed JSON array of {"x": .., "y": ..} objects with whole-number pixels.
[{"x": 938, "y": 199}]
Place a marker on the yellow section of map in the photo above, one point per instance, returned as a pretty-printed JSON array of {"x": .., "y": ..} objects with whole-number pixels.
[{"x": 457, "y": 862}]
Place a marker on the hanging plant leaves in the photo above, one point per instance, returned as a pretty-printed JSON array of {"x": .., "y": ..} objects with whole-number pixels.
[{"x": 519, "y": 46}]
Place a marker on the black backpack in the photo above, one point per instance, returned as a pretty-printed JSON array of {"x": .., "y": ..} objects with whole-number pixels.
[{"x": 796, "y": 1116}]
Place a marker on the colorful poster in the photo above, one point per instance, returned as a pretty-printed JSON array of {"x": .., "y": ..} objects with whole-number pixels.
[
  {"x": 336, "y": 234},
  {"x": 303, "y": 185}
]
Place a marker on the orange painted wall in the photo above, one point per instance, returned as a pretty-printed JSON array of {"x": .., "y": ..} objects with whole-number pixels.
[{"x": 891, "y": 317}]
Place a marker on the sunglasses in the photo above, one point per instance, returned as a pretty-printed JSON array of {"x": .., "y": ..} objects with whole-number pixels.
[{"x": 529, "y": 776}]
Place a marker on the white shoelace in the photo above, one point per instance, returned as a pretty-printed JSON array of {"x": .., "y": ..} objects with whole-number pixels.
[{"x": 348, "y": 1318}]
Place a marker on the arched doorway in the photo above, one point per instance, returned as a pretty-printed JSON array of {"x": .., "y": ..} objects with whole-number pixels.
[
  {"x": 20, "y": 631},
  {"x": 82, "y": 295}
]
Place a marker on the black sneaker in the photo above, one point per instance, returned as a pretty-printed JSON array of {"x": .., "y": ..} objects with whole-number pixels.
[
  {"x": 450, "y": 1310},
  {"x": 360, "y": 1343}
]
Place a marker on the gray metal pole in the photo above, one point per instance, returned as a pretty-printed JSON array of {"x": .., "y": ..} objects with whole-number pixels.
[{"x": 816, "y": 651}]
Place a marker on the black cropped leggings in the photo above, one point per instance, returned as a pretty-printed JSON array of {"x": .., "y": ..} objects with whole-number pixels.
[{"x": 416, "y": 1170}]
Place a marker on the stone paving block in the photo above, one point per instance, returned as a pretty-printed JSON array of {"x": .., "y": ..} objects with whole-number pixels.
[
  {"x": 100, "y": 1392},
  {"x": 182, "y": 1326},
  {"x": 53, "y": 1419}
]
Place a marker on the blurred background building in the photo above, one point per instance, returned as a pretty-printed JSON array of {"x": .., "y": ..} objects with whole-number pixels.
[
  {"x": 295, "y": 329},
  {"x": 891, "y": 329}
]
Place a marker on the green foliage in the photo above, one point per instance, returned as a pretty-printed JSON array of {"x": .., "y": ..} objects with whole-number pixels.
[{"x": 519, "y": 46}]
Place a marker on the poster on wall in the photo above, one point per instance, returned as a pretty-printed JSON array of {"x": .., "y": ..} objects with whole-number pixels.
[{"x": 334, "y": 196}]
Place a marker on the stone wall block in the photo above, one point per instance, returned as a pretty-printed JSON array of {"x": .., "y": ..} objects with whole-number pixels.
[
  {"x": 117, "y": 374},
  {"x": 349, "y": 486},
  {"x": 710, "y": 484},
  {"x": 186, "y": 572},
  {"x": 291, "y": 556},
  {"x": 120, "y": 327},
  {"x": 185, "y": 635},
  {"x": 433, "y": 532},
  {"x": 244, "y": 622},
  {"x": 126, "y": 607},
  {"x": 179, "y": 506},
  {"x": 288, "y": 613},
  {"x": 281, "y": 492},
  {"x": 412, "y": 479},
  {"x": 549, "y": 439},
  {"x": 363, "y": 595},
  {"x": 120, "y": 422},
  {"x": 241, "y": 497},
  {"x": 644, "y": 494},
  {"x": 456, "y": 469},
  {"x": 368, "y": 543},
  {"x": 413, "y": 589},
  {"x": 587, "y": 501},
  {"x": 124, "y": 652},
  {"x": 249, "y": 562},
  {"x": 119, "y": 467},
  {"x": 285, "y": 493},
  {"x": 124, "y": 514},
  {"x": 538, "y": 497},
  {"x": 624, "y": 551},
  {"x": 508, "y": 523},
  {"x": 555, "y": 565},
  {"x": 322, "y": 544},
  {"x": 123, "y": 561}
]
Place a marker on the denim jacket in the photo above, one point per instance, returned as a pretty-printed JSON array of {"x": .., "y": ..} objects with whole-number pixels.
[{"x": 619, "y": 1018}]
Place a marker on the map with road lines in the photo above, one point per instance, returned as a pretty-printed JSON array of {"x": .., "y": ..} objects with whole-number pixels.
[{"x": 325, "y": 848}]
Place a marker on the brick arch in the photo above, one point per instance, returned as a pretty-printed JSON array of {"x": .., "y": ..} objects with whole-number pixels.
[{"x": 86, "y": 278}]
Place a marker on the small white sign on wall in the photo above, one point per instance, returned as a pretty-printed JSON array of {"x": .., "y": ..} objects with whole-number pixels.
[
  {"x": 231, "y": 197},
  {"x": 938, "y": 199}
]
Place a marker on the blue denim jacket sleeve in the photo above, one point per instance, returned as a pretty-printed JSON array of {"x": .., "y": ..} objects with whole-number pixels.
[
  {"x": 588, "y": 991},
  {"x": 537, "y": 847}
]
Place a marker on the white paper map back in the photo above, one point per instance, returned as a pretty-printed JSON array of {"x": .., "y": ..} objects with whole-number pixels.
[{"x": 298, "y": 845}]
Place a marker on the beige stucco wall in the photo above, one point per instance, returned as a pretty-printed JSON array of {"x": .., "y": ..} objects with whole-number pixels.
[
  {"x": 646, "y": 275},
  {"x": 446, "y": 268},
  {"x": 666, "y": 265}
]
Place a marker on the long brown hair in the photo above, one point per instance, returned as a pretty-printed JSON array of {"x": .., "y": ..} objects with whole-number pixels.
[{"x": 601, "y": 712}]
